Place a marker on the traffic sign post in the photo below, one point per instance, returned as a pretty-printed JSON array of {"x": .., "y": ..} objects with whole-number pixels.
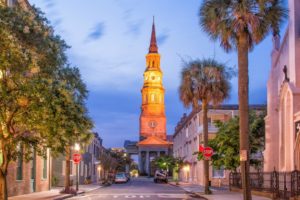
[{"x": 76, "y": 160}]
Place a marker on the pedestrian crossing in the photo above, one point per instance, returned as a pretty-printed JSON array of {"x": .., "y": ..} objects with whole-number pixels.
[{"x": 132, "y": 196}]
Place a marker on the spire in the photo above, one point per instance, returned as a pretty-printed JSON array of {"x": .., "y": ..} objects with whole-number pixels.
[{"x": 153, "y": 46}]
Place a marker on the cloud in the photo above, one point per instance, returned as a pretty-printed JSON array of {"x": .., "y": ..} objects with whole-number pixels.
[
  {"x": 162, "y": 38},
  {"x": 135, "y": 27},
  {"x": 50, "y": 3},
  {"x": 97, "y": 31}
]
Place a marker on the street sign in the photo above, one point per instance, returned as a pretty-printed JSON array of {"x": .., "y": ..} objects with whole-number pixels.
[
  {"x": 201, "y": 148},
  {"x": 208, "y": 152},
  {"x": 76, "y": 158},
  {"x": 243, "y": 155}
]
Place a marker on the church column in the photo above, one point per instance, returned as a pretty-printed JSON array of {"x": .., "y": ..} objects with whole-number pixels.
[
  {"x": 147, "y": 163},
  {"x": 140, "y": 162}
]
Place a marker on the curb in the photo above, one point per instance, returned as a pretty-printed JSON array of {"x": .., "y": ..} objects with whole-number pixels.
[
  {"x": 67, "y": 196},
  {"x": 190, "y": 192}
]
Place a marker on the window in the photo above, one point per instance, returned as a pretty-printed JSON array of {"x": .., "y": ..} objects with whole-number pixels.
[
  {"x": 11, "y": 3},
  {"x": 152, "y": 97},
  {"x": 20, "y": 164},
  {"x": 63, "y": 167},
  {"x": 186, "y": 132},
  {"x": 218, "y": 173},
  {"x": 45, "y": 168}
]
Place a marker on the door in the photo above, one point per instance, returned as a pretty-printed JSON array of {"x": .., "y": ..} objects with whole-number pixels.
[{"x": 33, "y": 173}]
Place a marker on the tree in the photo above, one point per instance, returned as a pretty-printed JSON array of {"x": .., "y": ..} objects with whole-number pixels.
[
  {"x": 108, "y": 163},
  {"x": 70, "y": 114},
  {"x": 164, "y": 162},
  {"x": 36, "y": 95},
  {"x": 122, "y": 160},
  {"x": 240, "y": 25},
  {"x": 207, "y": 81},
  {"x": 178, "y": 164},
  {"x": 226, "y": 143}
]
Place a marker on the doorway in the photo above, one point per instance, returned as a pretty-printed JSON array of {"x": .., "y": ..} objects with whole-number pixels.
[{"x": 33, "y": 173}]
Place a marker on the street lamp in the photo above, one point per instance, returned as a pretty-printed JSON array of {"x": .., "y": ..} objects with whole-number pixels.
[{"x": 77, "y": 149}]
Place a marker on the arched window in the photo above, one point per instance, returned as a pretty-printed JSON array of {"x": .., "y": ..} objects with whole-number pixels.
[{"x": 152, "y": 97}]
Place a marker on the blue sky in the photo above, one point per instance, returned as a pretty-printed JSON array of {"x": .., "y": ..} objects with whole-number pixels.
[{"x": 109, "y": 40}]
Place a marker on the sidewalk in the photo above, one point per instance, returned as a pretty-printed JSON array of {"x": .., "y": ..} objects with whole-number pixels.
[
  {"x": 54, "y": 194},
  {"x": 218, "y": 193}
]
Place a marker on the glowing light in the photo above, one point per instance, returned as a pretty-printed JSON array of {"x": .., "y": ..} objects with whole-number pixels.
[
  {"x": 76, "y": 147},
  {"x": 186, "y": 168}
]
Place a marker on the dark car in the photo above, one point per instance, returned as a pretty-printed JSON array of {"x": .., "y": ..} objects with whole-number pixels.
[{"x": 161, "y": 176}]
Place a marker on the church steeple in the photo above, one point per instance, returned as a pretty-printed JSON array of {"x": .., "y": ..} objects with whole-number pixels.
[
  {"x": 153, "y": 46},
  {"x": 153, "y": 117}
]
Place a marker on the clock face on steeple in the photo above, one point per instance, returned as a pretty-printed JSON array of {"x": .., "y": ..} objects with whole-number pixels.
[{"x": 152, "y": 124}]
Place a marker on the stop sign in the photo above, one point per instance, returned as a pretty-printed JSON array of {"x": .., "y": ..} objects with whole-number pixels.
[
  {"x": 76, "y": 158},
  {"x": 208, "y": 152}
]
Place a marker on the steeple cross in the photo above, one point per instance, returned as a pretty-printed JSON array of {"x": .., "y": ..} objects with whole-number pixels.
[{"x": 286, "y": 78}]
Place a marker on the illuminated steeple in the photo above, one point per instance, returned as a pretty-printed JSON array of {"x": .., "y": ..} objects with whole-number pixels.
[
  {"x": 153, "y": 118},
  {"x": 153, "y": 46}
]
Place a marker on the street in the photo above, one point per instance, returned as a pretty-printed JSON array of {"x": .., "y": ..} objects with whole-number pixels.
[{"x": 138, "y": 188}]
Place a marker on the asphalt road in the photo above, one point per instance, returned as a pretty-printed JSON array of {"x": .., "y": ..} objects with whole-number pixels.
[{"x": 139, "y": 188}]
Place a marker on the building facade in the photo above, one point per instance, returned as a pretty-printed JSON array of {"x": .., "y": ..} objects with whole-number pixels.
[
  {"x": 189, "y": 134},
  {"x": 89, "y": 170},
  {"x": 283, "y": 113},
  {"x": 153, "y": 138},
  {"x": 28, "y": 177}
]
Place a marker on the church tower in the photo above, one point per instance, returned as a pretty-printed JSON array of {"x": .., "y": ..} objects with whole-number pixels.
[{"x": 153, "y": 118}]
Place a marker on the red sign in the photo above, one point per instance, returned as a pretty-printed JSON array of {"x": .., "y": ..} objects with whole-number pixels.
[
  {"x": 208, "y": 152},
  {"x": 76, "y": 158},
  {"x": 201, "y": 148}
]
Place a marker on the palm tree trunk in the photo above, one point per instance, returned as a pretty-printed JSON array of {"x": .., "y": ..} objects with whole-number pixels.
[
  {"x": 67, "y": 169},
  {"x": 205, "y": 141},
  {"x": 243, "y": 84}
]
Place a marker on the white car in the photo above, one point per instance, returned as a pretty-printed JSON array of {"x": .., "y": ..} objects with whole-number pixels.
[{"x": 121, "y": 178}]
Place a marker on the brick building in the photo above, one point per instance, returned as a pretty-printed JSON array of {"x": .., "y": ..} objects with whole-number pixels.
[{"x": 27, "y": 177}]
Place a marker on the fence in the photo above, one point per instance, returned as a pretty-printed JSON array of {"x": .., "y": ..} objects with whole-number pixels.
[{"x": 283, "y": 185}]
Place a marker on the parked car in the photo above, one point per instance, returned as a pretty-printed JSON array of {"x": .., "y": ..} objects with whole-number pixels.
[
  {"x": 121, "y": 178},
  {"x": 161, "y": 176}
]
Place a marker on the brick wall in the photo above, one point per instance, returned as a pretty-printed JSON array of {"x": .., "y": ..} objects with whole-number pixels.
[{"x": 19, "y": 187}]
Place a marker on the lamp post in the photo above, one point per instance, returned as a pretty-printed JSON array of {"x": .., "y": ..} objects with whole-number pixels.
[{"x": 77, "y": 148}]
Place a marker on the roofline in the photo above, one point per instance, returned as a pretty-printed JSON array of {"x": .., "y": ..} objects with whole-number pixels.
[{"x": 219, "y": 107}]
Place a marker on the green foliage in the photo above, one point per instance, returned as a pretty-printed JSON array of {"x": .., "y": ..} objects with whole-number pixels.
[
  {"x": 42, "y": 99},
  {"x": 204, "y": 80},
  {"x": 232, "y": 21},
  {"x": 122, "y": 159},
  {"x": 167, "y": 162},
  {"x": 226, "y": 144}
]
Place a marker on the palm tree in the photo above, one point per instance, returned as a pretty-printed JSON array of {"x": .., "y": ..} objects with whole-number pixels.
[
  {"x": 240, "y": 25},
  {"x": 207, "y": 81}
]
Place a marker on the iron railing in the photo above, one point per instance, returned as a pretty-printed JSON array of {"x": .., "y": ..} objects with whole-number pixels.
[{"x": 282, "y": 185}]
